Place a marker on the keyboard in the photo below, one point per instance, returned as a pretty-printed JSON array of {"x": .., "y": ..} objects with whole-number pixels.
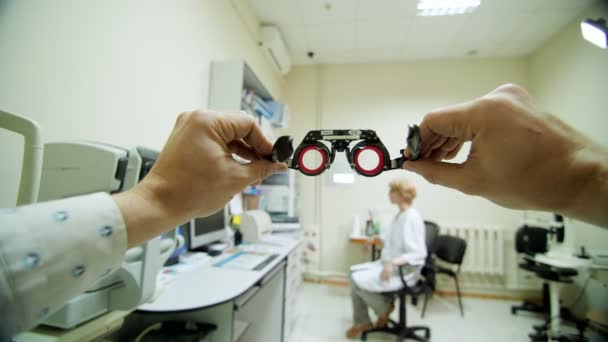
[{"x": 285, "y": 219}]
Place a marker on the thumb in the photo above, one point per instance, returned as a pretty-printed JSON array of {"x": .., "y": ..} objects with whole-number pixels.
[
  {"x": 452, "y": 175},
  {"x": 258, "y": 170}
]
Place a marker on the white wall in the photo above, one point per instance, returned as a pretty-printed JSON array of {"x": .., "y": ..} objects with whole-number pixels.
[
  {"x": 387, "y": 98},
  {"x": 113, "y": 71},
  {"x": 568, "y": 78}
]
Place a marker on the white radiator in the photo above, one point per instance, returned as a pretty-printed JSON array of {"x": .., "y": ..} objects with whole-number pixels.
[{"x": 485, "y": 253}]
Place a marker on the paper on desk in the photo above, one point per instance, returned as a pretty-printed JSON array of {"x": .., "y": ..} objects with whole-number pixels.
[{"x": 243, "y": 260}]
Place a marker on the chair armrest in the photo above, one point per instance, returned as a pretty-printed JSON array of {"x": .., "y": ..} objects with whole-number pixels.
[
  {"x": 402, "y": 276},
  {"x": 409, "y": 289}
]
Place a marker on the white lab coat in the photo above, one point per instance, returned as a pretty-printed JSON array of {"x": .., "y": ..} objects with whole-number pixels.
[{"x": 405, "y": 239}]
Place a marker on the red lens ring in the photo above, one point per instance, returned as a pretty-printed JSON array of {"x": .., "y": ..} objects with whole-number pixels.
[
  {"x": 301, "y": 159},
  {"x": 378, "y": 168}
]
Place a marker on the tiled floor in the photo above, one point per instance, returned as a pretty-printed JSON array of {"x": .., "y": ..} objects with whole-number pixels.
[{"x": 324, "y": 314}]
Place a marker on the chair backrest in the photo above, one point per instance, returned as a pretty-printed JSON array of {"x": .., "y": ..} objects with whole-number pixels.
[
  {"x": 531, "y": 240},
  {"x": 450, "y": 249},
  {"x": 432, "y": 232}
]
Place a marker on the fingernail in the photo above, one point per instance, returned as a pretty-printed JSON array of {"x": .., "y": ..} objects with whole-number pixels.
[{"x": 281, "y": 168}]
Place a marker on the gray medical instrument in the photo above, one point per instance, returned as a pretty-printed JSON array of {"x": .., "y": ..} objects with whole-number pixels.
[
  {"x": 73, "y": 169},
  {"x": 32, "y": 155}
]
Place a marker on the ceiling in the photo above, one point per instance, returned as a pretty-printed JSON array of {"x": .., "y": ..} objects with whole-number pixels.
[{"x": 368, "y": 31}]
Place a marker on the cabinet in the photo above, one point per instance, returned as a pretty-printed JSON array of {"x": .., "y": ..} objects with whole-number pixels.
[
  {"x": 293, "y": 281},
  {"x": 263, "y": 309}
]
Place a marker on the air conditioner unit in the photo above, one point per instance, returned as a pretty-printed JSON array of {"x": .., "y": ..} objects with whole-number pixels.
[{"x": 274, "y": 47}]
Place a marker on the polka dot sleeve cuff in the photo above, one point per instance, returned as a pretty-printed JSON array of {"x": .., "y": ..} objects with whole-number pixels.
[{"x": 51, "y": 252}]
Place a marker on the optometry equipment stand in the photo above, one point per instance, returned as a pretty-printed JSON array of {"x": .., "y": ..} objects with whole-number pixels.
[
  {"x": 558, "y": 267},
  {"x": 80, "y": 168}
]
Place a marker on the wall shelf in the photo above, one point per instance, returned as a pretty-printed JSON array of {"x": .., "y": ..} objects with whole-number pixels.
[{"x": 228, "y": 81}]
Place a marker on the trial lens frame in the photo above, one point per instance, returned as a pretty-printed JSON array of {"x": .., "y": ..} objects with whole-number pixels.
[{"x": 340, "y": 140}]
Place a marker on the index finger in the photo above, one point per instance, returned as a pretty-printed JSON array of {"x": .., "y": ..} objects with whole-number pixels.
[{"x": 243, "y": 126}]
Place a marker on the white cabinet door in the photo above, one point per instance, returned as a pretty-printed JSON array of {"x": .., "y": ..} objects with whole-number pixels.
[{"x": 264, "y": 311}]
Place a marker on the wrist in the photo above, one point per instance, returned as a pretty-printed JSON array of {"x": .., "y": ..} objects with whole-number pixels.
[
  {"x": 589, "y": 177},
  {"x": 145, "y": 213}
]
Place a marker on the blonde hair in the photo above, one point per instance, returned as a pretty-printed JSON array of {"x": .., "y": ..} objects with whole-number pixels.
[{"x": 404, "y": 188}]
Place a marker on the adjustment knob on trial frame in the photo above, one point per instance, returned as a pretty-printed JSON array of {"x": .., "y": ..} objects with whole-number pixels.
[
  {"x": 414, "y": 142},
  {"x": 282, "y": 149}
]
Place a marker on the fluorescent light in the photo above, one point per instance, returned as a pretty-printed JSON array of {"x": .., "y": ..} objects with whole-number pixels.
[
  {"x": 446, "y": 7},
  {"x": 595, "y": 32},
  {"x": 343, "y": 178}
]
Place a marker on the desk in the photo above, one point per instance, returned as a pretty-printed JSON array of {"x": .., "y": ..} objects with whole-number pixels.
[
  {"x": 245, "y": 305},
  {"x": 362, "y": 240}
]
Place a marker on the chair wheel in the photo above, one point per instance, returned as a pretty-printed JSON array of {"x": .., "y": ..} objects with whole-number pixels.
[
  {"x": 363, "y": 337},
  {"x": 538, "y": 337},
  {"x": 427, "y": 334},
  {"x": 513, "y": 311}
]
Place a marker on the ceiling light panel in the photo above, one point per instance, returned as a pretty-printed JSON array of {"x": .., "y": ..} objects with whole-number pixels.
[{"x": 446, "y": 7}]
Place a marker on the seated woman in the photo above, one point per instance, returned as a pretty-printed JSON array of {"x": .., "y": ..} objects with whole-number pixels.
[{"x": 404, "y": 245}]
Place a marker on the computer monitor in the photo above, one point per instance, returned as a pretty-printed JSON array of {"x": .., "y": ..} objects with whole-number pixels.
[{"x": 205, "y": 230}]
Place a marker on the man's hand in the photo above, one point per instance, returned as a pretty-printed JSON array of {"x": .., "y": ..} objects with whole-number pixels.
[
  {"x": 195, "y": 174},
  {"x": 520, "y": 156},
  {"x": 387, "y": 272}
]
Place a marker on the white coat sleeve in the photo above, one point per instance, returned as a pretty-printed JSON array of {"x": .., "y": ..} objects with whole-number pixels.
[
  {"x": 51, "y": 252},
  {"x": 414, "y": 241}
]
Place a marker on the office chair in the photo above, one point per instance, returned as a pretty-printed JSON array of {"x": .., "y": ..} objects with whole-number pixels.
[
  {"x": 400, "y": 328},
  {"x": 431, "y": 234},
  {"x": 450, "y": 249}
]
